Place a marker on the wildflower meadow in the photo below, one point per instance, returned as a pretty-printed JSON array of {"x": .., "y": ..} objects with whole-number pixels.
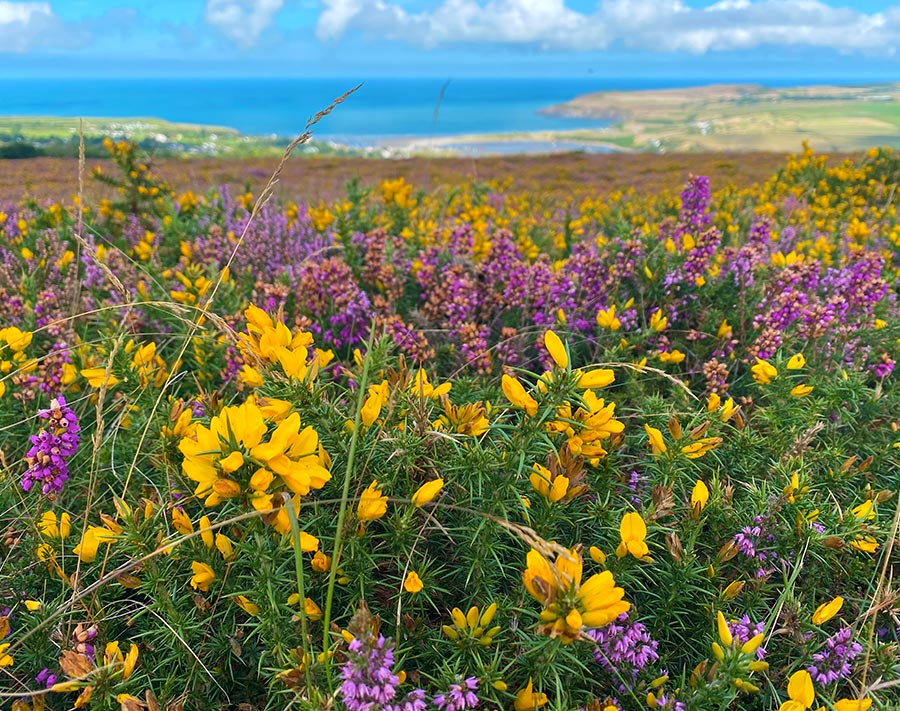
[{"x": 458, "y": 448}]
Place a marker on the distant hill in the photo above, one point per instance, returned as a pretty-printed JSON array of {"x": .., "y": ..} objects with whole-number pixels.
[{"x": 744, "y": 117}]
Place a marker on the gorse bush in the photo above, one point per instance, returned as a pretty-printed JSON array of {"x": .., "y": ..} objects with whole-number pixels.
[{"x": 454, "y": 450}]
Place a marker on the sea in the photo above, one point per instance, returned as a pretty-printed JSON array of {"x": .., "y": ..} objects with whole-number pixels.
[{"x": 381, "y": 109}]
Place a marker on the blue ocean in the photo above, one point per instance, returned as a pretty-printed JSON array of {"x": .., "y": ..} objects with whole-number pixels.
[{"x": 381, "y": 108}]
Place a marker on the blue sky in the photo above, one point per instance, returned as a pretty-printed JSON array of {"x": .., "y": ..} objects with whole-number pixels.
[{"x": 725, "y": 39}]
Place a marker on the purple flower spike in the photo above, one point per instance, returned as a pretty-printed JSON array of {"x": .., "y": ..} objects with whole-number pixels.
[
  {"x": 459, "y": 696},
  {"x": 369, "y": 683},
  {"x": 623, "y": 649},
  {"x": 51, "y": 448},
  {"x": 834, "y": 661}
]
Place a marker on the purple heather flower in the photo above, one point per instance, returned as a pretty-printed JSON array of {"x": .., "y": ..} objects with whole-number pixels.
[
  {"x": 747, "y": 539},
  {"x": 833, "y": 661},
  {"x": 664, "y": 702},
  {"x": 328, "y": 294},
  {"x": 369, "y": 683},
  {"x": 46, "y": 678},
  {"x": 637, "y": 484},
  {"x": 459, "y": 696},
  {"x": 752, "y": 255},
  {"x": 884, "y": 367},
  {"x": 743, "y": 630},
  {"x": 274, "y": 246},
  {"x": 51, "y": 448},
  {"x": 623, "y": 648}
]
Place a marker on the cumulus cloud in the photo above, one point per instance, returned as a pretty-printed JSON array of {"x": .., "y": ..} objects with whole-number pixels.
[
  {"x": 27, "y": 25},
  {"x": 659, "y": 25},
  {"x": 500, "y": 21},
  {"x": 242, "y": 21}
]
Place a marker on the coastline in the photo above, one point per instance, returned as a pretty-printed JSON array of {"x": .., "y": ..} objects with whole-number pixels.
[
  {"x": 716, "y": 117},
  {"x": 58, "y": 137}
]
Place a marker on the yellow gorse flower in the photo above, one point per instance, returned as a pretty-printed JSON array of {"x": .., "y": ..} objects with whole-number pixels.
[
  {"x": 182, "y": 522},
  {"x": 794, "y": 491},
  {"x": 527, "y": 699},
  {"x": 130, "y": 661},
  {"x": 275, "y": 343},
  {"x": 699, "y": 497},
  {"x": 800, "y": 691},
  {"x": 517, "y": 395},
  {"x": 633, "y": 531},
  {"x": 724, "y": 631},
  {"x": 239, "y": 436},
  {"x": 724, "y": 330},
  {"x": 371, "y": 409},
  {"x": 472, "y": 627},
  {"x": 801, "y": 390},
  {"x": 203, "y": 576},
  {"x": 796, "y": 362},
  {"x": 427, "y": 492},
  {"x": 729, "y": 409},
  {"x": 206, "y": 532},
  {"x": 606, "y": 318},
  {"x": 587, "y": 427},
  {"x": 312, "y": 609},
  {"x": 321, "y": 563},
  {"x": 50, "y": 528},
  {"x": 553, "y": 488},
  {"x": 99, "y": 377},
  {"x": 569, "y": 605},
  {"x": 469, "y": 419},
  {"x": 224, "y": 546},
  {"x": 149, "y": 367},
  {"x": 673, "y": 356},
  {"x": 865, "y": 511},
  {"x": 655, "y": 438},
  {"x": 865, "y": 544},
  {"x": 556, "y": 349},
  {"x": 733, "y": 589},
  {"x": 827, "y": 610},
  {"x": 413, "y": 583},
  {"x": 421, "y": 387},
  {"x": 246, "y": 605},
  {"x": 697, "y": 449},
  {"x": 764, "y": 372},
  {"x": 6, "y": 660},
  {"x": 372, "y": 503},
  {"x": 16, "y": 339},
  {"x": 597, "y": 378},
  {"x": 90, "y": 542}
]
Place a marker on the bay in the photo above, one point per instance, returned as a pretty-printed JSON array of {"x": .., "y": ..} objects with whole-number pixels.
[{"x": 381, "y": 108}]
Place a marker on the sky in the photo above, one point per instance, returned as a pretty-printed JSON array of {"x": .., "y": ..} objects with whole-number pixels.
[{"x": 826, "y": 40}]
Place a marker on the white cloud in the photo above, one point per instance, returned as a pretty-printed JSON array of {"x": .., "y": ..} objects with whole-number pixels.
[
  {"x": 242, "y": 21},
  {"x": 22, "y": 11},
  {"x": 26, "y": 25},
  {"x": 541, "y": 22},
  {"x": 658, "y": 25}
]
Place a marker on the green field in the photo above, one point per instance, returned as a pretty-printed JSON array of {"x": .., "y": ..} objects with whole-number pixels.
[
  {"x": 31, "y": 136},
  {"x": 744, "y": 117}
]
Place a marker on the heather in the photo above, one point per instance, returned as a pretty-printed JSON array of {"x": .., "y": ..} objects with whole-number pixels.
[{"x": 452, "y": 446}]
